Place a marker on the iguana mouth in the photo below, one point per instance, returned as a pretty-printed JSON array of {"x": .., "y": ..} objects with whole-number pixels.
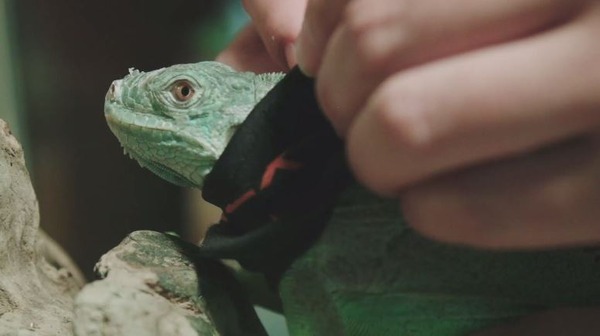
[{"x": 169, "y": 174}]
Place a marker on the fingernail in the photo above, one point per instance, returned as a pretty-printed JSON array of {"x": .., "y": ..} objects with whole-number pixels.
[{"x": 290, "y": 55}]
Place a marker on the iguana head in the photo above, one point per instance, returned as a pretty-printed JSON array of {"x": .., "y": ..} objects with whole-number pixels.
[{"x": 176, "y": 121}]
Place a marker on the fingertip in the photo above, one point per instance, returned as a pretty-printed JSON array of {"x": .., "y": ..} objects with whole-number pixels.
[
  {"x": 429, "y": 217},
  {"x": 300, "y": 54},
  {"x": 300, "y": 58},
  {"x": 290, "y": 55},
  {"x": 366, "y": 157},
  {"x": 330, "y": 106},
  {"x": 438, "y": 214}
]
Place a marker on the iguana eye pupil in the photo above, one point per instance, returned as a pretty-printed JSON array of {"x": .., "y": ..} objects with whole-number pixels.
[{"x": 182, "y": 91}]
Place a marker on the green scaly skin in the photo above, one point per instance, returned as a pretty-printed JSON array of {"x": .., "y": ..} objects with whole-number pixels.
[
  {"x": 369, "y": 273},
  {"x": 181, "y": 141}
]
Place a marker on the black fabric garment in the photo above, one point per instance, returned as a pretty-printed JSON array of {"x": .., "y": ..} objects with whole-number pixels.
[{"x": 277, "y": 181}]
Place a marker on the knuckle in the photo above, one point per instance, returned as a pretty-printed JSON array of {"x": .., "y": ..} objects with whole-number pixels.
[
  {"x": 402, "y": 114},
  {"x": 360, "y": 29},
  {"x": 393, "y": 125},
  {"x": 376, "y": 34}
]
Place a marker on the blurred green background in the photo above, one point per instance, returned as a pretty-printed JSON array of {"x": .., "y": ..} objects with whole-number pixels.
[{"x": 57, "y": 59}]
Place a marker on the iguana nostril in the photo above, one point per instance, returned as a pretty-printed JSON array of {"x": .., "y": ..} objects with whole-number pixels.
[{"x": 113, "y": 91}]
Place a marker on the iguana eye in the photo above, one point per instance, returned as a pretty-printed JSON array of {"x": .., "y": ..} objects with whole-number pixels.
[{"x": 182, "y": 90}]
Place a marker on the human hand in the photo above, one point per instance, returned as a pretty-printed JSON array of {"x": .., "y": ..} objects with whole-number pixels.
[
  {"x": 483, "y": 117},
  {"x": 267, "y": 43}
]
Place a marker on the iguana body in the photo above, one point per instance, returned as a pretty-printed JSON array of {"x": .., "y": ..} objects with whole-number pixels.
[{"x": 368, "y": 274}]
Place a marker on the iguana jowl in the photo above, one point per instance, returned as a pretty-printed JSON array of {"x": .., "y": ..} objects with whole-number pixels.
[{"x": 368, "y": 273}]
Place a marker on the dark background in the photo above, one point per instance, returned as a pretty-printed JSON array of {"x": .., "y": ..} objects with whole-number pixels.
[{"x": 65, "y": 55}]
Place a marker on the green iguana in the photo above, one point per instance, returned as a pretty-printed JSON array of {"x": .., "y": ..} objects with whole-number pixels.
[{"x": 364, "y": 271}]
